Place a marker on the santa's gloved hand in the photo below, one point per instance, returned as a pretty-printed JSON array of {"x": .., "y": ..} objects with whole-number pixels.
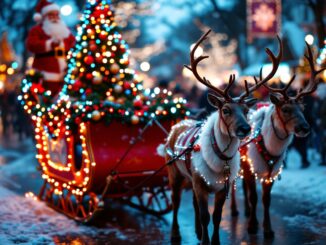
[{"x": 55, "y": 44}]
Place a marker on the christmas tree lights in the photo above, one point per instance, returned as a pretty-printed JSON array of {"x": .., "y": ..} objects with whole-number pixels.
[{"x": 99, "y": 85}]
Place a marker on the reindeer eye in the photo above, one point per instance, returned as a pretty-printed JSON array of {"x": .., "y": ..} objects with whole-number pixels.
[{"x": 226, "y": 111}]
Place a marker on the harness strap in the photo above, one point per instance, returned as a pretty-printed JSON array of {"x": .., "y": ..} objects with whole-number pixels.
[{"x": 216, "y": 148}]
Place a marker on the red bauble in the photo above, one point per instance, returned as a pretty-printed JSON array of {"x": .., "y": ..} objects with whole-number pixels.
[
  {"x": 92, "y": 46},
  {"x": 89, "y": 59},
  {"x": 138, "y": 103},
  {"x": 126, "y": 85},
  {"x": 77, "y": 85},
  {"x": 103, "y": 36},
  {"x": 77, "y": 120},
  {"x": 88, "y": 91},
  {"x": 89, "y": 76},
  {"x": 99, "y": 59}
]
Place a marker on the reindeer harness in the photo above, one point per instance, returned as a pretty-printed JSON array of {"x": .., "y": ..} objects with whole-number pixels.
[
  {"x": 259, "y": 143},
  {"x": 185, "y": 145}
]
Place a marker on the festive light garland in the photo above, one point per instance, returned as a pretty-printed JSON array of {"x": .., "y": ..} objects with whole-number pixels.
[
  {"x": 246, "y": 159},
  {"x": 99, "y": 86}
]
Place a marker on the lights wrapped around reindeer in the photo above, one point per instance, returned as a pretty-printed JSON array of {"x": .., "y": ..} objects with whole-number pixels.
[{"x": 256, "y": 138}]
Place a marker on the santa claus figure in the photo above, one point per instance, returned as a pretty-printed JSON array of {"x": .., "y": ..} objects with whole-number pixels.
[{"x": 50, "y": 40}]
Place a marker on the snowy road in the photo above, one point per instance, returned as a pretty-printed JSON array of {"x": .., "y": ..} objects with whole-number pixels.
[{"x": 297, "y": 218}]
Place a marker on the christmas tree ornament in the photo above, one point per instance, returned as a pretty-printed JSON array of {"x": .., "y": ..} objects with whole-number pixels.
[
  {"x": 97, "y": 79},
  {"x": 118, "y": 89},
  {"x": 114, "y": 68},
  {"x": 134, "y": 119},
  {"x": 88, "y": 59},
  {"x": 96, "y": 115},
  {"x": 138, "y": 103}
]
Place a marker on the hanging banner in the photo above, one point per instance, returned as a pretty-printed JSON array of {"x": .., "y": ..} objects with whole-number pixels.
[{"x": 263, "y": 18}]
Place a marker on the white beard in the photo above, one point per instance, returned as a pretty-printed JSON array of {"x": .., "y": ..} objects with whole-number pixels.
[{"x": 57, "y": 31}]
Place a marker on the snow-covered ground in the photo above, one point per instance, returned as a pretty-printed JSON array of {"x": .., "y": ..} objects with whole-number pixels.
[
  {"x": 304, "y": 185},
  {"x": 26, "y": 221}
]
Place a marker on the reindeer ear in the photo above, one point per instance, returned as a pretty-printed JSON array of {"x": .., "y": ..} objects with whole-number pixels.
[
  {"x": 276, "y": 100},
  {"x": 250, "y": 102},
  {"x": 215, "y": 101}
]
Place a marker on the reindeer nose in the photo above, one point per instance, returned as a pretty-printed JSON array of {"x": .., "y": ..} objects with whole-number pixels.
[
  {"x": 303, "y": 128},
  {"x": 243, "y": 130}
]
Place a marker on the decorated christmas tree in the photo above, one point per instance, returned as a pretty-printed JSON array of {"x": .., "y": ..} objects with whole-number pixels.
[{"x": 99, "y": 84}]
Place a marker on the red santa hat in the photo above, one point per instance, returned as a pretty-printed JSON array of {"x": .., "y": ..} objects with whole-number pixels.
[{"x": 44, "y": 7}]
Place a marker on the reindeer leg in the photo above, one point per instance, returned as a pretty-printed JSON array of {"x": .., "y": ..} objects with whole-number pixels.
[
  {"x": 251, "y": 188},
  {"x": 197, "y": 217},
  {"x": 217, "y": 215},
  {"x": 234, "y": 209},
  {"x": 202, "y": 200},
  {"x": 246, "y": 200},
  {"x": 268, "y": 232},
  {"x": 175, "y": 180}
]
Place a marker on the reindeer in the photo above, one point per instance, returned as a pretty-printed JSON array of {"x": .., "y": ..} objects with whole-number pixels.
[
  {"x": 263, "y": 155},
  {"x": 207, "y": 152}
]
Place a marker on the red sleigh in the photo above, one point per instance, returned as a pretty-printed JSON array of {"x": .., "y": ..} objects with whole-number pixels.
[{"x": 101, "y": 162}]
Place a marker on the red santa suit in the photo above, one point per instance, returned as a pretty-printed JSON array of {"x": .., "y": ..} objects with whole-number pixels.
[{"x": 50, "y": 59}]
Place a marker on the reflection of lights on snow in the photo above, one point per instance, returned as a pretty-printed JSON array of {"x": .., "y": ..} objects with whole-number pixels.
[
  {"x": 199, "y": 50},
  {"x": 309, "y": 39},
  {"x": 145, "y": 66},
  {"x": 66, "y": 10}
]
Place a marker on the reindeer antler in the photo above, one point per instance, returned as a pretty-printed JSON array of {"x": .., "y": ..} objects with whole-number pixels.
[
  {"x": 275, "y": 61},
  {"x": 193, "y": 68},
  {"x": 312, "y": 85}
]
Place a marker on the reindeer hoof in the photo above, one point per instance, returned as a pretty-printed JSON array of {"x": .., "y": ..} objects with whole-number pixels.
[
  {"x": 235, "y": 213},
  {"x": 269, "y": 234}
]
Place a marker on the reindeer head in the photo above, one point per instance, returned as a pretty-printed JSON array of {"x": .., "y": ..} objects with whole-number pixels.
[
  {"x": 289, "y": 110},
  {"x": 232, "y": 111}
]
